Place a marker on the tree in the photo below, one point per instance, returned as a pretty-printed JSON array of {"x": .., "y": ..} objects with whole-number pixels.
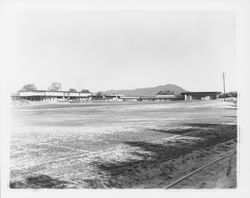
[
  {"x": 85, "y": 91},
  {"x": 28, "y": 87},
  {"x": 232, "y": 94},
  {"x": 229, "y": 94},
  {"x": 167, "y": 92},
  {"x": 55, "y": 86},
  {"x": 99, "y": 94},
  {"x": 72, "y": 90},
  {"x": 160, "y": 93}
]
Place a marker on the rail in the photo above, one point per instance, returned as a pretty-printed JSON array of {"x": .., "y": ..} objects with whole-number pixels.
[{"x": 195, "y": 171}]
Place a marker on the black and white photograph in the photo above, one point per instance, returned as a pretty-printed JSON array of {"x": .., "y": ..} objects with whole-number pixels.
[{"x": 121, "y": 98}]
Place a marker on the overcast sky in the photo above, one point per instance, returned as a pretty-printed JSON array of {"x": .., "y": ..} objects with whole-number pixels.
[{"x": 102, "y": 50}]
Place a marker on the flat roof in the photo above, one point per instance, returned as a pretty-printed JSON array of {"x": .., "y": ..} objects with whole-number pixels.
[
  {"x": 200, "y": 92},
  {"x": 55, "y": 91}
]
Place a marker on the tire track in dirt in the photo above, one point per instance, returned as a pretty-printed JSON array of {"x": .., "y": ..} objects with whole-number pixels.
[{"x": 83, "y": 153}]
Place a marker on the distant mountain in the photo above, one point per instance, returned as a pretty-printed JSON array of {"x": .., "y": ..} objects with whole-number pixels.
[{"x": 149, "y": 91}]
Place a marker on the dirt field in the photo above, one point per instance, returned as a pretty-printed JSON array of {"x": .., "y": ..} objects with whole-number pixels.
[{"x": 123, "y": 145}]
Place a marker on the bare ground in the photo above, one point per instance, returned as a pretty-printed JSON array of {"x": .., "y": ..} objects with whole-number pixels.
[
  {"x": 176, "y": 157},
  {"x": 168, "y": 160},
  {"x": 146, "y": 154}
]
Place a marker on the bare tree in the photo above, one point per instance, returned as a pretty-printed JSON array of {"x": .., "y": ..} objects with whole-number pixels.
[
  {"x": 55, "y": 86},
  {"x": 28, "y": 87}
]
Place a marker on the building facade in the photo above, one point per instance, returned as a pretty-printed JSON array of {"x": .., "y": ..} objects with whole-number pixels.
[
  {"x": 200, "y": 95},
  {"x": 44, "y": 95}
]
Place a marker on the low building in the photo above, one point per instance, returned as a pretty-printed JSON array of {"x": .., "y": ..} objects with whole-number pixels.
[
  {"x": 112, "y": 98},
  {"x": 147, "y": 98},
  {"x": 129, "y": 98},
  {"x": 43, "y": 95},
  {"x": 161, "y": 97},
  {"x": 200, "y": 95}
]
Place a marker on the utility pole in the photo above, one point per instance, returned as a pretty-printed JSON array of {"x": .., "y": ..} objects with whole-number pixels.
[{"x": 224, "y": 89}]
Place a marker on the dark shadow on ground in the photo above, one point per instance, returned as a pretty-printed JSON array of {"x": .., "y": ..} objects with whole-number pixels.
[
  {"x": 200, "y": 135},
  {"x": 198, "y": 130},
  {"x": 172, "y": 131},
  {"x": 38, "y": 181}
]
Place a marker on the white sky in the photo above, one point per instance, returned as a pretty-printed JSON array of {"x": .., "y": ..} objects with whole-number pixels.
[{"x": 102, "y": 50}]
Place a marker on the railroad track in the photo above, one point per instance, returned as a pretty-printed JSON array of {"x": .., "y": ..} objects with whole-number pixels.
[
  {"x": 118, "y": 170},
  {"x": 197, "y": 170}
]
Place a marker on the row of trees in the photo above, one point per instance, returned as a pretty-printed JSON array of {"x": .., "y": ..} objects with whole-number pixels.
[
  {"x": 166, "y": 92},
  {"x": 229, "y": 94},
  {"x": 55, "y": 86}
]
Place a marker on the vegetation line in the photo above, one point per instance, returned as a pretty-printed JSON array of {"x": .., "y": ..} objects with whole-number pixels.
[{"x": 195, "y": 171}]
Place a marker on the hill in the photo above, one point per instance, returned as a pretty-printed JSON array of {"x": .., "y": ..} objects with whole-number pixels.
[{"x": 149, "y": 91}]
